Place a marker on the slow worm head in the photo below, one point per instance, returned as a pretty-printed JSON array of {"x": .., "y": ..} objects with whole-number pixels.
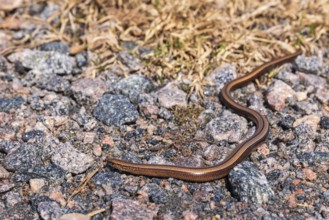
[{"x": 236, "y": 156}]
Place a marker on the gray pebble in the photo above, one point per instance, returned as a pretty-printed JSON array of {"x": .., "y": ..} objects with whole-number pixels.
[
  {"x": 248, "y": 184},
  {"x": 115, "y": 109}
]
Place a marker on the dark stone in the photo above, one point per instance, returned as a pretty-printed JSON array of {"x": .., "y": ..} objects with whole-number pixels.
[
  {"x": 54, "y": 83},
  {"x": 106, "y": 177},
  {"x": 324, "y": 122},
  {"x": 50, "y": 172},
  {"x": 82, "y": 59},
  {"x": 286, "y": 122},
  {"x": 115, "y": 109},
  {"x": 156, "y": 193},
  {"x": 26, "y": 156},
  {"x": 55, "y": 46},
  {"x": 14, "y": 103},
  {"x": 32, "y": 134},
  {"x": 134, "y": 85},
  {"x": 8, "y": 146}
]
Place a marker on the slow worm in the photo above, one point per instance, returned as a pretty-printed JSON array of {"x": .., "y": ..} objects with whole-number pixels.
[{"x": 236, "y": 156}]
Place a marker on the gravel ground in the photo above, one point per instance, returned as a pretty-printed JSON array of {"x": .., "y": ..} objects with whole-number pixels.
[{"x": 57, "y": 127}]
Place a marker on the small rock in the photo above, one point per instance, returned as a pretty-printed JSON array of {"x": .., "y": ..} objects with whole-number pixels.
[
  {"x": 13, "y": 103},
  {"x": 74, "y": 216},
  {"x": 131, "y": 210},
  {"x": 221, "y": 76},
  {"x": 309, "y": 174},
  {"x": 88, "y": 90},
  {"x": 36, "y": 185},
  {"x": 4, "y": 174},
  {"x": 312, "y": 120},
  {"x": 115, "y": 109},
  {"x": 133, "y": 85},
  {"x": 26, "y": 156},
  {"x": 9, "y": 146},
  {"x": 212, "y": 152},
  {"x": 32, "y": 134},
  {"x": 156, "y": 193},
  {"x": 54, "y": 83},
  {"x": 131, "y": 62},
  {"x": 82, "y": 59},
  {"x": 312, "y": 80},
  {"x": 49, "y": 210},
  {"x": 89, "y": 137},
  {"x": 248, "y": 184},
  {"x": 288, "y": 77},
  {"x": 306, "y": 107},
  {"x": 45, "y": 62},
  {"x": 322, "y": 94},
  {"x": 313, "y": 157},
  {"x": 71, "y": 160},
  {"x": 287, "y": 122},
  {"x": 301, "y": 96},
  {"x": 5, "y": 186},
  {"x": 12, "y": 198},
  {"x": 165, "y": 114},
  {"x": 277, "y": 94},
  {"x": 56, "y": 46},
  {"x": 171, "y": 95},
  {"x": 229, "y": 127},
  {"x": 308, "y": 64},
  {"x": 190, "y": 215},
  {"x": 324, "y": 122}
]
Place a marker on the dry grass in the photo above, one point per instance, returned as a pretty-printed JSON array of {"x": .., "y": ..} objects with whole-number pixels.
[{"x": 188, "y": 36}]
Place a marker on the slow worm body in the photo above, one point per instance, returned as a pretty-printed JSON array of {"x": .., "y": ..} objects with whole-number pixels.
[{"x": 236, "y": 156}]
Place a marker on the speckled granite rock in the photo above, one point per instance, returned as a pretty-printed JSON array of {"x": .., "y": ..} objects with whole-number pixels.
[
  {"x": 248, "y": 184},
  {"x": 115, "y": 109}
]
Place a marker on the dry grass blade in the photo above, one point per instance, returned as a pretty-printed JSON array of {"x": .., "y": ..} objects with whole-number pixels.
[{"x": 189, "y": 36}]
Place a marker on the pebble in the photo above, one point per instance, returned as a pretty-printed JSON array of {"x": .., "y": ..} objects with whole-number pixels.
[
  {"x": 156, "y": 193},
  {"x": 49, "y": 210},
  {"x": 71, "y": 160},
  {"x": 130, "y": 210},
  {"x": 54, "y": 83},
  {"x": 6, "y": 104},
  {"x": 212, "y": 152},
  {"x": 115, "y": 109},
  {"x": 87, "y": 90},
  {"x": 249, "y": 184},
  {"x": 5, "y": 186},
  {"x": 32, "y": 134},
  {"x": 306, "y": 107},
  {"x": 131, "y": 62},
  {"x": 312, "y": 80},
  {"x": 36, "y": 185},
  {"x": 170, "y": 96},
  {"x": 56, "y": 46},
  {"x": 288, "y": 77},
  {"x": 221, "y": 76},
  {"x": 324, "y": 122},
  {"x": 310, "y": 64},
  {"x": 26, "y": 156},
  {"x": 322, "y": 94},
  {"x": 287, "y": 122},
  {"x": 277, "y": 94},
  {"x": 4, "y": 174},
  {"x": 132, "y": 86},
  {"x": 312, "y": 120},
  {"x": 45, "y": 62},
  {"x": 229, "y": 127}
]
